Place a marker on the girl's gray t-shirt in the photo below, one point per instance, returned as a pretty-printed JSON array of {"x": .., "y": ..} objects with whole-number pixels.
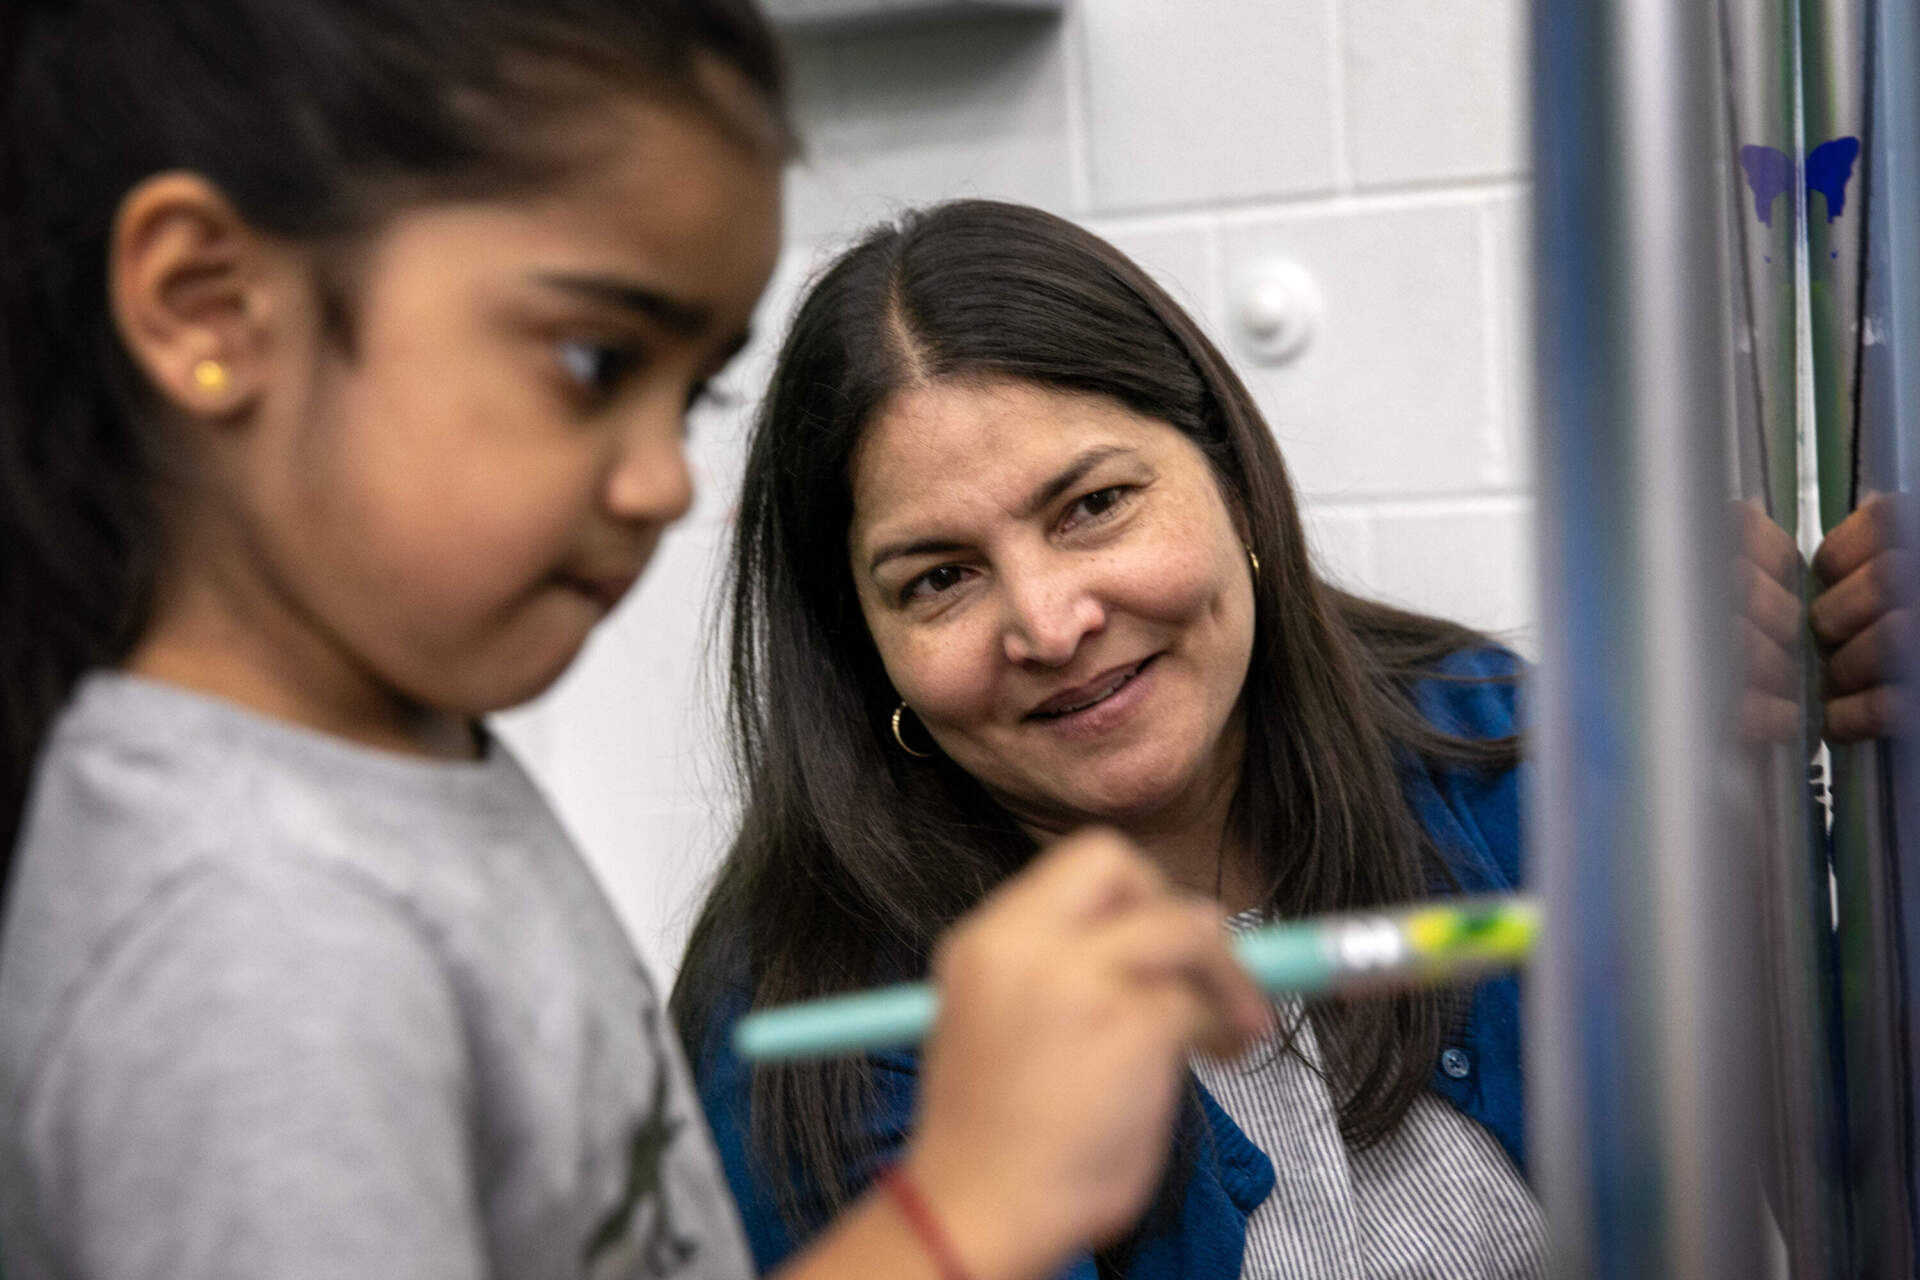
[{"x": 275, "y": 1005}]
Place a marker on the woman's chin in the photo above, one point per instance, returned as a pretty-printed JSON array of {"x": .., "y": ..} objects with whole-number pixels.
[
  {"x": 1125, "y": 803},
  {"x": 1145, "y": 788}
]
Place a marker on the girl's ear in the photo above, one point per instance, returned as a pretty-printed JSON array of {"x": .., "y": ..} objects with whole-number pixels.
[{"x": 193, "y": 290}]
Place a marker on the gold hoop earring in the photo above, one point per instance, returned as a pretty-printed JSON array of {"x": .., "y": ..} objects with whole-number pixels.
[
  {"x": 922, "y": 755},
  {"x": 210, "y": 376},
  {"x": 1253, "y": 560}
]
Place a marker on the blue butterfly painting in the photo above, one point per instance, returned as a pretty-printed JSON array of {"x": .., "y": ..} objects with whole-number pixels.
[{"x": 1829, "y": 169}]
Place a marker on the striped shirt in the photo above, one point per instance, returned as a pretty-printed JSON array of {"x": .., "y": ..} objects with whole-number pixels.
[{"x": 1436, "y": 1198}]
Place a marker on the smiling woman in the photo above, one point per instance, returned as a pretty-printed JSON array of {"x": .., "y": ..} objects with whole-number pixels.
[
  {"x": 1069, "y": 585},
  {"x": 1062, "y": 597}
]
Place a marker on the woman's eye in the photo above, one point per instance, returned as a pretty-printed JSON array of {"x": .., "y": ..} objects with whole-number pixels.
[
  {"x": 598, "y": 368},
  {"x": 1097, "y": 504},
  {"x": 934, "y": 581}
]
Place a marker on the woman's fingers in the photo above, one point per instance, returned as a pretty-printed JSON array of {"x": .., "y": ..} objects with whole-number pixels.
[
  {"x": 1769, "y": 604},
  {"x": 1873, "y": 528},
  {"x": 1769, "y": 667},
  {"x": 1766, "y": 545},
  {"x": 1871, "y": 658},
  {"x": 1883, "y": 583},
  {"x": 1861, "y": 717},
  {"x": 1766, "y": 718},
  {"x": 1768, "y": 628},
  {"x": 1863, "y": 620}
]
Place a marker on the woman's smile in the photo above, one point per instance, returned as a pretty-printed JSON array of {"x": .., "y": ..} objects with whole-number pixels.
[{"x": 1100, "y": 705}]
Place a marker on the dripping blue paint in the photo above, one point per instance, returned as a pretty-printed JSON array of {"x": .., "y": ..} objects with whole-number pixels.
[{"x": 1769, "y": 173}]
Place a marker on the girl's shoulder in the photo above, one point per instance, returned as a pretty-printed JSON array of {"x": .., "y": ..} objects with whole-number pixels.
[{"x": 171, "y": 838}]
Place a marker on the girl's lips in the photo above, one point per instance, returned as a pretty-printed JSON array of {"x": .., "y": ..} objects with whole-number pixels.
[{"x": 1104, "y": 712}]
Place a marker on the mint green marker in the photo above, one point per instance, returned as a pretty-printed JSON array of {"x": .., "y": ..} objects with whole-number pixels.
[{"x": 1428, "y": 945}]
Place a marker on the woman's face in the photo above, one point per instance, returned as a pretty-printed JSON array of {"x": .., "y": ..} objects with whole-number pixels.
[{"x": 1058, "y": 591}]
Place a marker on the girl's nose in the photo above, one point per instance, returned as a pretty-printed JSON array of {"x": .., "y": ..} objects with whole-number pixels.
[
  {"x": 1048, "y": 617},
  {"x": 652, "y": 480}
]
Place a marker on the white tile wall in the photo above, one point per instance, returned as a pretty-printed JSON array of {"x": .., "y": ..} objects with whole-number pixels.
[
  {"x": 1401, "y": 355},
  {"x": 1433, "y": 89},
  {"x": 1341, "y": 542},
  {"x": 900, "y": 118},
  {"x": 1468, "y": 560},
  {"x": 1180, "y": 259},
  {"x": 1377, "y": 142},
  {"x": 1509, "y": 246},
  {"x": 1191, "y": 104}
]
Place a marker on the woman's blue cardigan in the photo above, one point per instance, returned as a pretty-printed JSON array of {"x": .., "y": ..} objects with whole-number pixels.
[{"x": 1474, "y": 820}]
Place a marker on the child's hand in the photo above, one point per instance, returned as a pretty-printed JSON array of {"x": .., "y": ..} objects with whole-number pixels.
[
  {"x": 1069, "y": 1002},
  {"x": 1863, "y": 620},
  {"x": 1769, "y": 621}
]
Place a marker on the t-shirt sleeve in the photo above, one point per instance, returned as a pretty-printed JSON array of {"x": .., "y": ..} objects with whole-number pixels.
[{"x": 265, "y": 1077}]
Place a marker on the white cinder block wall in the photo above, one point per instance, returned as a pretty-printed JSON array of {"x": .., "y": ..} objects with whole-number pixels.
[{"x": 1378, "y": 143}]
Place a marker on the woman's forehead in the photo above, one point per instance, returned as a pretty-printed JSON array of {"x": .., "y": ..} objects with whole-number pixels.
[{"x": 988, "y": 450}]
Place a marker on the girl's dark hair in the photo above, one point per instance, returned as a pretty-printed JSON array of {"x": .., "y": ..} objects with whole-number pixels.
[
  {"x": 317, "y": 119},
  {"x": 851, "y": 857}
]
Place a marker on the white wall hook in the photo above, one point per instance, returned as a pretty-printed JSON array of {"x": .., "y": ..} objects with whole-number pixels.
[{"x": 1276, "y": 309}]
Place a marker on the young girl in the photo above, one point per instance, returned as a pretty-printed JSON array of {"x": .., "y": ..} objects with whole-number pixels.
[{"x": 343, "y": 362}]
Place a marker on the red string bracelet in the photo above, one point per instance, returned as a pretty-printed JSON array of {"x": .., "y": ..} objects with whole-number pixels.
[{"x": 919, "y": 1216}]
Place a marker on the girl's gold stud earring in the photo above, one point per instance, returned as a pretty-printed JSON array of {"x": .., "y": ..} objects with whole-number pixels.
[{"x": 210, "y": 375}]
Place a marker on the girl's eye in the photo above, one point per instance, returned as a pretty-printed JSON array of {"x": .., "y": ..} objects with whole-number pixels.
[
  {"x": 1098, "y": 504},
  {"x": 933, "y": 582},
  {"x": 598, "y": 368}
]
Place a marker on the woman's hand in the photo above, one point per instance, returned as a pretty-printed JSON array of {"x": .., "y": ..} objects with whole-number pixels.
[
  {"x": 1069, "y": 1002},
  {"x": 1770, "y": 622},
  {"x": 1863, "y": 620}
]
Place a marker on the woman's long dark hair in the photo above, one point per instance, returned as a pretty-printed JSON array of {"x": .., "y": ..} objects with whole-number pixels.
[
  {"x": 316, "y": 119},
  {"x": 853, "y": 857}
]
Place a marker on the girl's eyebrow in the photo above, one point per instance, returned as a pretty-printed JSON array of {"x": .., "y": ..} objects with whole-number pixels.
[
  {"x": 678, "y": 316},
  {"x": 1071, "y": 475}
]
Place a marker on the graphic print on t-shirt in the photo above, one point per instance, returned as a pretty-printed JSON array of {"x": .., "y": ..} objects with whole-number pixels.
[{"x": 643, "y": 1215}]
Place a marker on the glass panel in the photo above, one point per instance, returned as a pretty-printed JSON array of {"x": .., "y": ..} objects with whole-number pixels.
[{"x": 1810, "y": 137}]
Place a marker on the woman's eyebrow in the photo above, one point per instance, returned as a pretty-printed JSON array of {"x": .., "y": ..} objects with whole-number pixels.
[
  {"x": 922, "y": 547},
  {"x": 1075, "y": 471},
  {"x": 1037, "y": 501},
  {"x": 678, "y": 316}
]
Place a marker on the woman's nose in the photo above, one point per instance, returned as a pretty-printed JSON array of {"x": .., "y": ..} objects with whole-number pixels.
[{"x": 1048, "y": 617}]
